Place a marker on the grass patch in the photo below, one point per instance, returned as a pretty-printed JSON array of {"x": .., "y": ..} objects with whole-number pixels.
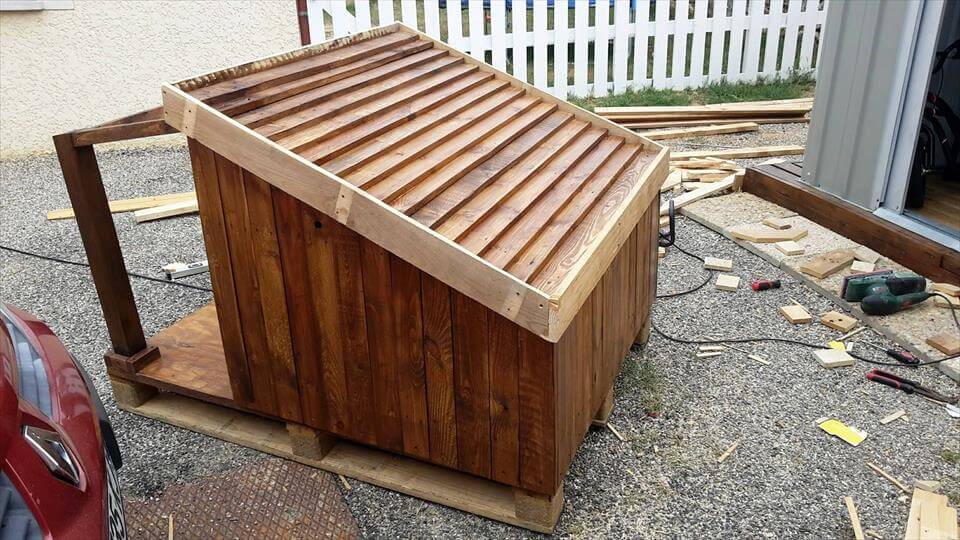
[
  {"x": 643, "y": 379},
  {"x": 950, "y": 456},
  {"x": 795, "y": 86}
]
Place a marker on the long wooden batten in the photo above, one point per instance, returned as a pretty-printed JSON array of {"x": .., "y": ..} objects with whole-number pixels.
[{"x": 512, "y": 197}]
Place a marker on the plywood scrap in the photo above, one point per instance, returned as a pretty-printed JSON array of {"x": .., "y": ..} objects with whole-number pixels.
[
  {"x": 723, "y": 457},
  {"x": 854, "y": 518},
  {"x": 945, "y": 342},
  {"x": 889, "y": 478},
  {"x": 828, "y": 264},
  {"x": 760, "y": 234},
  {"x": 776, "y": 223},
  {"x": 697, "y": 194},
  {"x": 847, "y": 434},
  {"x": 892, "y": 416},
  {"x": 862, "y": 267},
  {"x": 946, "y": 288},
  {"x": 838, "y": 321},
  {"x": 789, "y": 247},
  {"x": 833, "y": 358},
  {"x": 165, "y": 211},
  {"x": 129, "y": 205},
  {"x": 728, "y": 282},
  {"x": 753, "y": 152},
  {"x": 796, "y": 314},
  {"x": 714, "y": 263},
  {"x": 684, "y": 133},
  {"x": 931, "y": 517}
]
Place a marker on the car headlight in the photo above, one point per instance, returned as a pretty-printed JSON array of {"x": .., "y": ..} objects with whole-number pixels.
[{"x": 49, "y": 446}]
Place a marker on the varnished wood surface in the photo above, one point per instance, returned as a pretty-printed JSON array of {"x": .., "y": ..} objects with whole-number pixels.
[
  {"x": 941, "y": 205},
  {"x": 499, "y": 170}
]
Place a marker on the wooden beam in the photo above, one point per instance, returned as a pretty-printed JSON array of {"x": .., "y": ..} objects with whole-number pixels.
[
  {"x": 760, "y": 151},
  {"x": 147, "y": 123},
  {"x": 905, "y": 247},
  {"x": 89, "y": 200},
  {"x": 683, "y": 133}
]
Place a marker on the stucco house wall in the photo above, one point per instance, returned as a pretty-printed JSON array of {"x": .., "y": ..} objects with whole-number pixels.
[{"x": 72, "y": 68}]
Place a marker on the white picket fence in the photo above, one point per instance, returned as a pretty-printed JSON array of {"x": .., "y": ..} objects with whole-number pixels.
[{"x": 665, "y": 43}]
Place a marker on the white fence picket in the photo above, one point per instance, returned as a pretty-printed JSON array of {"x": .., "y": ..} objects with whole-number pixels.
[{"x": 744, "y": 44}]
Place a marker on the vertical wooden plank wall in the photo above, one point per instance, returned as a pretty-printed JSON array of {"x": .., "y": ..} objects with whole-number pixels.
[{"x": 324, "y": 328}]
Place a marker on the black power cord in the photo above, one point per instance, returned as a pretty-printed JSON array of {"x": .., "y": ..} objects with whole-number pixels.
[
  {"x": 85, "y": 265},
  {"x": 780, "y": 340}
]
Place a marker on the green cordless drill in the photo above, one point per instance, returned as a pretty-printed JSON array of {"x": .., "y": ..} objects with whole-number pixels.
[{"x": 885, "y": 292}]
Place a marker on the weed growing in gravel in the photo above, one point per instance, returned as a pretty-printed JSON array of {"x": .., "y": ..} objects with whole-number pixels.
[
  {"x": 950, "y": 456},
  {"x": 643, "y": 381}
]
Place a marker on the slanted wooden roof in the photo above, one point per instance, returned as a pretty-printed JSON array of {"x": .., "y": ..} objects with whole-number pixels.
[{"x": 515, "y": 198}]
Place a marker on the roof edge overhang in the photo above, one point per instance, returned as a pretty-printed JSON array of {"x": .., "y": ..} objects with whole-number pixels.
[{"x": 544, "y": 315}]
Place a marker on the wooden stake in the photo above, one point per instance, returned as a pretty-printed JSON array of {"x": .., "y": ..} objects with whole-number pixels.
[
  {"x": 729, "y": 451},
  {"x": 343, "y": 480},
  {"x": 854, "y": 518},
  {"x": 892, "y": 480},
  {"x": 615, "y": 432}
]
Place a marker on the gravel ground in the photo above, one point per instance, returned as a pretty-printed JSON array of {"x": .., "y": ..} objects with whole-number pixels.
[{"x": 786, "y": 479}]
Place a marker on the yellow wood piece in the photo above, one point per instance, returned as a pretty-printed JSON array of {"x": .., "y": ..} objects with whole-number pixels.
[{"x": 947, "y": 289}]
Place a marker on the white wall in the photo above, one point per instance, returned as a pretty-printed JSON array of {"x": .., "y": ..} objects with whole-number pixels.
[{"x": 67, "y": 69}]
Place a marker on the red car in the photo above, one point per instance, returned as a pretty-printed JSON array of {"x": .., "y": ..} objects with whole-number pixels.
[{"x": 58, "y": 453}]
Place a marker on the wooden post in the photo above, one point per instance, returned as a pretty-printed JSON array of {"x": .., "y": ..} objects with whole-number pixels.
[
  {"x": 603, "y": 413},
  {"x": 644, "y": 336},
  {"x": 82, "y": 176},
  {"x": 308, "y": 442},
  {"x": 131, "y": 394}
]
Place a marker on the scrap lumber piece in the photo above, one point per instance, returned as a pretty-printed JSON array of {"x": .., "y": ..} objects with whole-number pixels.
[
  {"x": 713, "y": 263},
  {"x": 697, "y": 194},
  {"x": 854, "y": 518},
  {"x": 661, "y": 252},
  {"x": 727, "y": 282},
  {"x": 833, "y": 358},
  {"x": 651, "y": 124},
  {"x": 776, "y": 223},
  {"x": 129, "y": 205},
  {"x": 706, "y": 164},
  {"x": 740, "y": 108},
  {"x": 796, "y": 314},
  {"x": 948, "y": 302},
  {"x": 760, "y": 151},
  {"x": 945, "y": 342},
  {"x": 766, "y": 235},
  {"x": 947, "y": 289},
  {"x": 931, "y": 517},
  {"x": 892, "y": 416},
  {"x": 838, "y": 321},
  {"x": 828, "y": 264},
  {"x": 723, "y": 457},
  {"x": 165, "y": 211},
  {"x": 682, "y": 133},
  {"x": 789, "y": 247},
  {"x": 672, "y": 181},
  {"x": 889, "y": 478},
  {"x": 709, "y": 354},
  {"x": 862, "y": 267}
]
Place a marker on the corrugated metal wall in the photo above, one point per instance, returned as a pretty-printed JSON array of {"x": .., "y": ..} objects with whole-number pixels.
[{"x": 868, "y": 48}]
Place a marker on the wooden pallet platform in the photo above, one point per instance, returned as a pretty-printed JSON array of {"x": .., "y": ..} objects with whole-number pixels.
[{"x": 429, "y": 482}]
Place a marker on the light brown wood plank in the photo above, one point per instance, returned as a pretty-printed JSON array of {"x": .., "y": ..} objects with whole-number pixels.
[
  {"x": 485, "y": 200},
  {"x": 258, "y": 98},
  {"x": 438, "y": 359},
  {"x": 458, "y": 194},
  {"x": 352, "y": 85},
  {"x": 475, "y": 154}
]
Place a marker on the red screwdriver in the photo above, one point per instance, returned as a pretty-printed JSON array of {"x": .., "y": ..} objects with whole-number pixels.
[
  {"x": 901, "y": 356},
  {"x": 764, "y": 284}
]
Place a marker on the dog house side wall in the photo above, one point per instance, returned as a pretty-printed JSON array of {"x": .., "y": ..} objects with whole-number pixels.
[{"x": 324, "y": 328}]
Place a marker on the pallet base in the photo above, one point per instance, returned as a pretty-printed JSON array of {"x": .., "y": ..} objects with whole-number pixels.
[{"x": 429, "y": 482}]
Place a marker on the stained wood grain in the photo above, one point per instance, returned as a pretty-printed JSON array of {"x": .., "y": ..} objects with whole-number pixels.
[
  {"x": 472, "y": 378},
  {"x": 438, "y": 358},
  {"x": 410, "y": 363}
]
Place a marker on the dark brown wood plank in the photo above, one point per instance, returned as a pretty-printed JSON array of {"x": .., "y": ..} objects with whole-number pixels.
[
  {"x": 382, "y": 342},
  {"x": 283, "y": 73},
  {"x": 905, "y": 247},
  {"x": 320, "y": 256},
  {"x": 458, "y": 194},
  {"x": 122, "y": 132},
  {"x": 530, "y": 224},
  {"x": 297, "y": 278},
  {"x": 536, "y": 389},
  {"x": 438, "y": 359},
  {"x": 273, "y": 301},
  {"x": 353, "y": 85},
  {"x": 472, "y": 373},
  {"x": 504, "y": 399},
  {"x": 243, "y": 265},
  {"x": 254, "y": 99},
  {"x": 410, "y": 363},
  {"x": 89, "y": 200},
  {"x": 472, "y": 154},
  {"x": 204, "y": 163}
]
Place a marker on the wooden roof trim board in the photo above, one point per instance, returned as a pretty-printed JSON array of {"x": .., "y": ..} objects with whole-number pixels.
[{"x": 544, "y": 314}]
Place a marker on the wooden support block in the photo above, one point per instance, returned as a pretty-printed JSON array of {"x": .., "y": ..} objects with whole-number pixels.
[
  {"x": 776, "y": 223},
  {"x": 308, "y": 442},
  {"x": 833, "y": 358},
  {"x": 947, "y": 289},
  {"x": 789, "y": 247},
  {"x": 765, "y": 235},
  {"x": 945, "y": 342},
  {"x": 128, "y": 365},
  {"x": 727, "y": 282},
  {"x": 854, "y": 518},
  {"x": 543, "y": 510},
  {"x": 795, "y": 314},
  {"x": 661, "y": 252},
  {"x": 131, "y": 394},
  {"x": 713, "y": 263},
  {"x": 861, "y": 267},
  {"x": 828, "y": 264},
  {"x": 603, "y": 413},
  {"x": 838, "y": 321},
  {"x": 644, "y": 335},
  {"x": 948, "y": 302}
]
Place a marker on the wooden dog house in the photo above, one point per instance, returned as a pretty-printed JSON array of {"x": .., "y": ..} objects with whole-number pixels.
[{"x": 410, "y": 252}]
